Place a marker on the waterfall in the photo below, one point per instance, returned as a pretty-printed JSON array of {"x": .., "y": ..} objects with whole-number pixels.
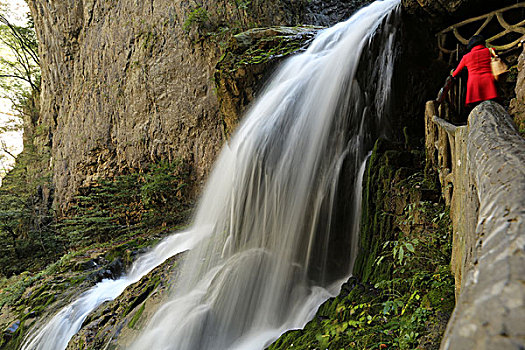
[{"x": 276, "y": 230}]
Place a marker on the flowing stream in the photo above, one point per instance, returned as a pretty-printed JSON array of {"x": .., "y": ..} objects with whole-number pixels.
[{"x": 276, "y": 230}]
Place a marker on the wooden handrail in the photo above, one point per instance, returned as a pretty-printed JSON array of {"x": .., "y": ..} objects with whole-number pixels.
[
  {"x": 448, "y": 127},
  {"x": 442, "y": 94},
  {"x": 518, "y": 28},
  {"x": 451, "y": 93}
]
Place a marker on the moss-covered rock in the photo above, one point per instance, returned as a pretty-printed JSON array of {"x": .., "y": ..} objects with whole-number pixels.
[
  {"x": 386, "y": 193},
  {"x": 248, "y": 60},
  {"x": 31, "y": 299},
  {"x": 122, "y": 316}
]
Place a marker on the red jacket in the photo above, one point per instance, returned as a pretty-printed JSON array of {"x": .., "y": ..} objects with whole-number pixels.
[{"x": 480, "y": 84}]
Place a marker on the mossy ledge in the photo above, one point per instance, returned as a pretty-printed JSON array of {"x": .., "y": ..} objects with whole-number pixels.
[
  {"x": 122, "y": 317},
  {"x": 249, "y": 59}
]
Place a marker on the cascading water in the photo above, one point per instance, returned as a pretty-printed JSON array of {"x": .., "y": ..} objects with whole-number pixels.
[
  {"x": 65, "y": 324},
  {"x": 276, "y": 230}
]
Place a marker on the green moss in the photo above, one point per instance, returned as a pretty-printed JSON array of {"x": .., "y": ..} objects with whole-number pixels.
[
  {"x": 13, "y": 341},
  {"x": 260, "y": 46},
  {"x": 376, "y": 223},
  {"x": 136, "y": 317},
  {"x": 76, "y": 280},
  {"x": 123, "y": 251},
  {"x": 147, "y": 289},
  {"x": 197, "y": 17},
  {"x": 247, "y": 50}
]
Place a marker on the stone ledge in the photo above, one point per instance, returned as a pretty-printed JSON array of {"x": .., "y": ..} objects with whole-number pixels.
[{"x": 485, "y": 161}]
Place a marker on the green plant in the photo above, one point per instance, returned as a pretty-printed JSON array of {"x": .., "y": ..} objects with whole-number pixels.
[
  {"x": 136, "y": 316},
  {"x": 198, "y": 17},
  {"x": 19, "y": 69},
  {"x": 113, "y": 207},
  {"x": 399, "y": 250},
  {"x": 27, "y": 238}
]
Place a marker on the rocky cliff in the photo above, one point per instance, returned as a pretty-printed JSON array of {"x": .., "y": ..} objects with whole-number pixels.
[
  {"x": 125, "y": 84},
  {"x": 517, "y": 105},
  {"x": 128, "y": 83}
]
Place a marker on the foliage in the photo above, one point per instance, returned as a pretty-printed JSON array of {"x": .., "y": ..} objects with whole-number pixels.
[
  {"x": 395, "y": 313},
  {"x": 19, "y": 77},
  {"x": 25, "y": 233},
  {"x": 26, "y": 296},
  {"x": 31, "y": 237},
  {"x": 27, "y": 236},
  {"x": 11, "y": 289},
  {"x": 113, "y": 207},
  {"x": 20, "y": 66},
  {"x": 197, "y": 17}
]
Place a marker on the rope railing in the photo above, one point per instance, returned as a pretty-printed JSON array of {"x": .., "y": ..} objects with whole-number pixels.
[{"x": 494, "y": 17}]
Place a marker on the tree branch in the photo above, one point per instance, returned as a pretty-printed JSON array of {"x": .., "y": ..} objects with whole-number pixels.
[
  {"x": 23, "y": 41},
  {"x": 16, "y": 77}
]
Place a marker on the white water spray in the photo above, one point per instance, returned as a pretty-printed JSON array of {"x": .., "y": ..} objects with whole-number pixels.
[{"x": 276, "y": 230}]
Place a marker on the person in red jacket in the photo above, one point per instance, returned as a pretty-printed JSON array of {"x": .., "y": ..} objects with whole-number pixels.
[{"x": 480, "y": 84}]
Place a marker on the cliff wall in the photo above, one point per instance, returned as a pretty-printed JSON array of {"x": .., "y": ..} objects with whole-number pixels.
[
  {"x": 481, "y": 168},
  {"x": 517, "y": 104},
  {"x": 127, "y": 83}
]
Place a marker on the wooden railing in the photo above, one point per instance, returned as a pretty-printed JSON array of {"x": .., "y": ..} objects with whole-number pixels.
[
  {"x": 450, "y": 100},
  {"x": 441, "y": 118},
  {"x": 492, "y": 19}
]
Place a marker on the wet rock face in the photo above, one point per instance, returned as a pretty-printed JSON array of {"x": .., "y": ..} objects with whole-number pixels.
[
  {"x": 328, "y": 12},
  {"x": 117, "y": 322},
  {"x": 466, "y": 8},
  {"x": 11, "y": 330},
  {"x": 439, "y": 7},
  {"x": 44, "y": 294}
]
